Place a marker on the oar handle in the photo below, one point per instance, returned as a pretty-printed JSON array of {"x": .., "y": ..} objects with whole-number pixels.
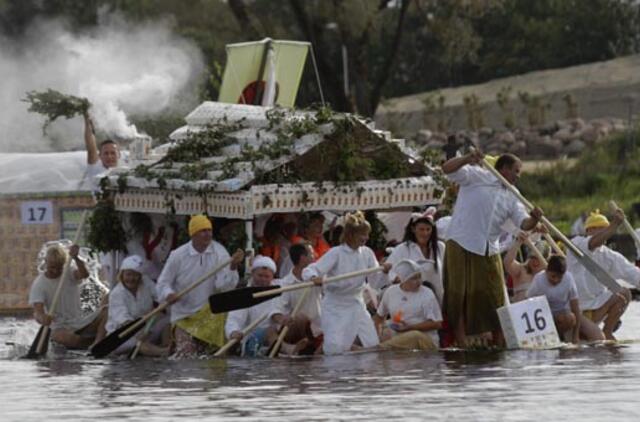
[
  {"x": 285, "y": 329},
  {"x": 311, "y": 284},
  {"x": 164, "y": 305},
  {"x": 535, "y": 251},
  {"x": 139, "y": 342},
  {"x": 613, "y": 207},
  {"x": 553, "y": 245},
  {"x": 530, "y": 206},
  {"x": 249, "y": 328}
]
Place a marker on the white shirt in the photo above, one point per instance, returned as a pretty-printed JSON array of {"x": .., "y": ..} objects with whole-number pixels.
[
  {"x": 341, "y": 260},
  {"x": 591, "y": 292},
  {"x": 125, "y": 306},
  {"x": 558, "y": 295},
  {"x": 414, "y": 307},
  {"x": 94, "y": 173},
  {"x": 310, "y": 307},
  {"x": 239, "y": 319},
  {"x": 68, "y": 313},
  {"x": 482, "y": 207},
  {"x": 411, "y": 250},
  {"x": 184, "y": 267}
]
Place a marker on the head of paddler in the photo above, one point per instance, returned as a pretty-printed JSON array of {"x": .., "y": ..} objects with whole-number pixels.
[
  {"x": 555, "y": 269},
  {"x": 131, "y": 273},
  {"x": 356, "y": 230},
  {"x": 201, "y": 232},
  {"x": 263, "y": 271},
  {"x": 55, "y": 258},
  {"x": 509, "y": 167}
]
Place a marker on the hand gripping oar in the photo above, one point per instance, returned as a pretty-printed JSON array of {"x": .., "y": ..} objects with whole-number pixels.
[
  {"x": 249, "y": 296},
  {"x": 636, "y": 239},
  {"x": 593, "y": 267},
  {"x": 249, "y": 328},
  {"x": 124, "y": 333},
  {"x": 40, "y": 344},
  {"x": 276, "y": 347}
]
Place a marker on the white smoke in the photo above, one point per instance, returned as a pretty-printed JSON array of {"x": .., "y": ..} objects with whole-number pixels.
[{"x": 121, "y": 67}]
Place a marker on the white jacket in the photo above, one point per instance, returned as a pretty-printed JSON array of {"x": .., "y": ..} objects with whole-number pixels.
[{"x": 344, "y": 315}]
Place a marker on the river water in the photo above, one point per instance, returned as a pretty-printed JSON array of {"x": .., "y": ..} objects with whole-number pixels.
[{"x": 586, "y": 384}]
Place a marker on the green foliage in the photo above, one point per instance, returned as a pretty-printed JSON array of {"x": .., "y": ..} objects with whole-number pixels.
[
  {"x": 105, "y": 228},
  {"x": 53, "y": 104},
  {"x": 610, "y": 170}
]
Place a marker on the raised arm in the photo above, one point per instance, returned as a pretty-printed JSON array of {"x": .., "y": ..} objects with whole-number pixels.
[
  {"x": 454, "y": 164},
  {"x": 602, "y": 236},
  {"x": 513, "y": 267},
  {"x": 90, "y": 140}
]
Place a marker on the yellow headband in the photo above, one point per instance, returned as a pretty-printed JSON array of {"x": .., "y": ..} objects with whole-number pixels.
[{"x": 199, "y": 222}]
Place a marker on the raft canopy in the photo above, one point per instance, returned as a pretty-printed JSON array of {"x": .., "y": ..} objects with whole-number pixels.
[{"x": 239, "y": 161}]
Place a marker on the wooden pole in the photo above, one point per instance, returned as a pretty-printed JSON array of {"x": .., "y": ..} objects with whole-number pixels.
[{"x": 285, "y": 329}]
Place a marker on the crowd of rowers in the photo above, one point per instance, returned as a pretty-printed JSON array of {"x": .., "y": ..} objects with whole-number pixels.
[{"x": 431, "y": 290}]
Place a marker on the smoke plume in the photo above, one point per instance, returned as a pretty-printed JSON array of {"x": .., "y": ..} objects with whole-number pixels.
[{"x": 122, "y": 68}]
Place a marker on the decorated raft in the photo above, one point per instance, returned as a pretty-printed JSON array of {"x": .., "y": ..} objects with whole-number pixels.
[{"x": 240, "y": 162}]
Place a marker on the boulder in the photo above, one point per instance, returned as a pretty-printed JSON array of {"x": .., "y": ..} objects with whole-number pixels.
[
  {"x": 544, "y": 147},
  {"x": 575, "y": 148},
  {"x": 423, "y": 136}
]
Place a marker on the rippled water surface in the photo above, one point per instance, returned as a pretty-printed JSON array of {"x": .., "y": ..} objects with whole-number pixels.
[{"x": 589, "y": 384}]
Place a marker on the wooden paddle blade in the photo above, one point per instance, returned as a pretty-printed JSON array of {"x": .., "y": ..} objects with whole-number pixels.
[
  {"x": 113, "y": 341},
  {"x": 239, "y": 299},
  {"x": 33, "y": 350},
  {"x": 599, "y": 273}
]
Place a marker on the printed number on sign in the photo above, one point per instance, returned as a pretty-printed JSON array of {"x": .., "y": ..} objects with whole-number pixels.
[
  {"x": 36, "y": 212},
  {"x": 538, "y": 319}
]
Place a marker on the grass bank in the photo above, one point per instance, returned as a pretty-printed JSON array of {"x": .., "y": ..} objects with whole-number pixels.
[{"x": 609, "y": 170}]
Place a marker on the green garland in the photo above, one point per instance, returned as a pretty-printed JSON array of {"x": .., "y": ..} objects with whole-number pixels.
[
  {"x": 54, "y": 104},
  {"x": 105, "y": 228}
]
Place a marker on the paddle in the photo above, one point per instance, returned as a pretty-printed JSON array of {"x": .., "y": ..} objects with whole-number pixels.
[
  {"x": 40, "y": 344},
  {"x": 593, "y": 267},
  {"x": 553, "y": 245},
  {"x": 276, "y": 347},
  {"x": 636, "y": 239},
  {"x": 122, "y": 334},
  {"x": 249, "y": 328},
  {"x": 249, "y": 296},
  {"x": 136, "y": 350}
]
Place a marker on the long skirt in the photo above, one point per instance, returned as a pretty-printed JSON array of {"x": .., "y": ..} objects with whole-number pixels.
[{"x": 473, "y": 287}]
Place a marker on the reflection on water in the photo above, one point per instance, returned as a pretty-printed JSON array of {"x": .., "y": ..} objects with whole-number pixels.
[{"x": 587, "y": 384}]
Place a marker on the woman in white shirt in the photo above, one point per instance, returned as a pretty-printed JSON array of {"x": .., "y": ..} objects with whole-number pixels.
[
  {"x": 344, "y": 317},
  {"x": 411, "y": 306},
  {"x": 130, "y": 299},
  {"x": 421, "y": 245}
]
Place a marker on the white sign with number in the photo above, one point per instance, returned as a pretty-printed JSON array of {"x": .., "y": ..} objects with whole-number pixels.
[
  {"x": 529, "y": 324},
  {"x": 36, "y": 212}
]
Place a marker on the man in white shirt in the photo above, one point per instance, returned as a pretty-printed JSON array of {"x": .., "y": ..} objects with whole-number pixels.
[
  {"x": 69, "y": 327},
  {"x": 473, "y": 274},
  {"x": 195, "y": 326},
  {"x": 99, "y": 159},
  {"x": 596, "y": 302},
  {"x": 304, "y": 332},
  {"x": 263, "y": 270}
]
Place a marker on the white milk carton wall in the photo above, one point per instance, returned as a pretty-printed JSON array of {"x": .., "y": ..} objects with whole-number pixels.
[{"x": 529, "y": 324}]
